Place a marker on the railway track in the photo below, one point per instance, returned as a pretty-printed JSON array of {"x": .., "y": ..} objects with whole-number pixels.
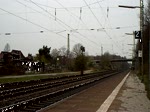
[{"x": 35, "y": 96}]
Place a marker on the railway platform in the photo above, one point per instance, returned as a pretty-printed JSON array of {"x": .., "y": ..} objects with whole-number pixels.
[
  {"x": 132, "y": 97},
  {"x": 120, "y": 93}
]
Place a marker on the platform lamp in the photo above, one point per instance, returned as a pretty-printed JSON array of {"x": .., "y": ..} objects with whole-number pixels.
[{"x": 141, "y": 7}]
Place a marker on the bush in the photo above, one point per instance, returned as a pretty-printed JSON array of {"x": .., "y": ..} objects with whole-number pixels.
[{"x": 10, "y": 69}]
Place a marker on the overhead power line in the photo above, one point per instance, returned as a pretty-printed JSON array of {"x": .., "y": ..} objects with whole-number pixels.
[
  {"x": 52, "y": 19},
  {"x": 79, "y": 19},
  {"x": 101, "y": 24},
  {"x": 60, "y": 31},
  {"x": 61, "y": 21},
  {"x": 31, "y": 22},
  {"x": 62, "y": 8},
  {"x": 67, "y": 26},
  {"x": 93, "y": 14},
  {"x": 25, "y": 19}
]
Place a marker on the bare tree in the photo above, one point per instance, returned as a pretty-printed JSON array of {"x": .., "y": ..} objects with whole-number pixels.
[
  {"x": 77, "y": 49},
  {"x": 7, "y": 47},
  {"x": 55, "y": 53},
  {"x": 63, "y": 51}
]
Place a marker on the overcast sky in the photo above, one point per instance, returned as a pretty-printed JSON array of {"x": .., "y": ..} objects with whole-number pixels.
[{"x": 93, "y": 23}]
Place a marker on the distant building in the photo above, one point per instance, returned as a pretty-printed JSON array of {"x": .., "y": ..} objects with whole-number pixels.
[
  {"x": 11, "y": 62},
  {"x": 1, "y": 56},
  {"x": 11, "y": 56},
  {"x": 17, "y": 55}
]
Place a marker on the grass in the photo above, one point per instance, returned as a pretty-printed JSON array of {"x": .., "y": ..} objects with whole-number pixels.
[
  {"x": 26, "y": 78},
  {"x": 29, "y": 77},
  {"x": 35, "y": 77}
]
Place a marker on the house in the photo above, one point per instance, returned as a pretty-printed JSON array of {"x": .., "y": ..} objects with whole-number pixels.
[
  {"x": 17, "y": 55},
  {"x": 14, "y": 55},
  {"x": 1, "y": 56}
]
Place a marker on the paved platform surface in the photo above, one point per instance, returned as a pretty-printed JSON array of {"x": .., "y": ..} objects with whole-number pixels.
[{"x": 131, "y": 97}]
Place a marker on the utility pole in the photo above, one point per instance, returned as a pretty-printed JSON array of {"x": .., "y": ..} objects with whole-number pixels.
[
  {"x": 149, "y": 58},
  {"x": 68, "y": 45},
  {"x": 101, "y": 50},
  {"x": 133, "y": 44},
  {"x": 68, "y": 51},
  {"x": 133, "y": 58},
  {"x": 141, "y": 29}
]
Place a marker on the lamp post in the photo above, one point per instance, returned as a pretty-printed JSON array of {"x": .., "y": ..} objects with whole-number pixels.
[
  {"x": 131, "y": 7},
  {"x": 149, "y": 58},
  {"x": 141, "y": 7}
]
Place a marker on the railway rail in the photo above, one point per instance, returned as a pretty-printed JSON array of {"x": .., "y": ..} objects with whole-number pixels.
[{"x": 34, "y": 96}]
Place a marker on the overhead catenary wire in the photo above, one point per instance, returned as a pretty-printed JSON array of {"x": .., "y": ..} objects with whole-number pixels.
[
  {"x": 39, "y": 12},
  {"x": 110, "y": 26},
  {"x": 78, "y": 20},
  {"x": 31, "y": 22},
  {"x": 82, "y": 22},
  {"x": 25, "y": 19},
  {"x": 100, "y": 24},
  {"x": 62, "y": 8},
  {"x": 60, "y": 20},
  {"x": 78, "y": 27},
  {"x": 60, "y": 31},
  {"x": 83, "y": 35},
  {"x": 97, "y": 19},
  {"x": 46, "y": 16},
  {"x": 93, "y": 14}
]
